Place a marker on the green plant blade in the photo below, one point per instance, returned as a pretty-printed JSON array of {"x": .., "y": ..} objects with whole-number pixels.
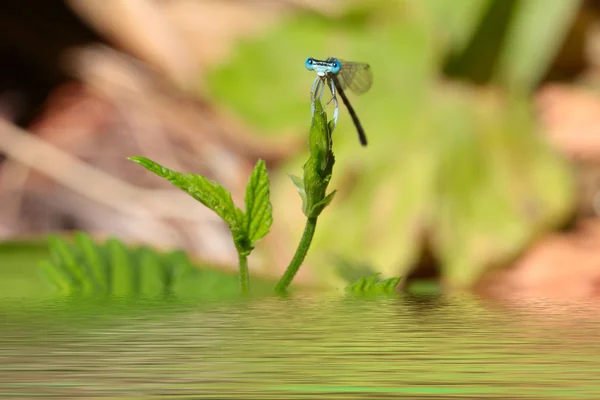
[{"x": 259, "y": 211}]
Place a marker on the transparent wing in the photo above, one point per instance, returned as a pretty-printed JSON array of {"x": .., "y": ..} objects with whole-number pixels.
[{"x": 357, "y": 77}]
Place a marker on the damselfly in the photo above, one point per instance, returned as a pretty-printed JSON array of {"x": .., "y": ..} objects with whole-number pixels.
[{"x": 339, "y": 75}]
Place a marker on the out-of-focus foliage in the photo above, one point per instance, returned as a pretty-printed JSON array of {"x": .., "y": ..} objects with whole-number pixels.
[
  {"x": 461, "y": 163},
  {"x": 510, "y": 42},
  {"x": 111, "y": 269},
  {"x": 19, "y": 272}
]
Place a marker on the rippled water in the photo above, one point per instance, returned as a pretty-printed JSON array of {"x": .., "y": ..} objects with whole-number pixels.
[{"x": 418, "y": 348}]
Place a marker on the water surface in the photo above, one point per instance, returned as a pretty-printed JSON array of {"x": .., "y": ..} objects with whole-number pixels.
[{"x": 413, "y": 347}]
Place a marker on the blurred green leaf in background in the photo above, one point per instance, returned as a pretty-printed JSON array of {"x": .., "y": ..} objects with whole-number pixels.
[
  {"x": 110, "y": 269},
  {"x": 460, "y": 162}
]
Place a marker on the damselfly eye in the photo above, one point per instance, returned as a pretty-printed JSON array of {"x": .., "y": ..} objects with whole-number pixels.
[
  {"x": 308, "y": 64},
  {"x": 336, "y": 66}
]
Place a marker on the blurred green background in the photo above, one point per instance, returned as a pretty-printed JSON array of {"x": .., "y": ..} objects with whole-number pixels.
[{"x": 454, "y": 154}]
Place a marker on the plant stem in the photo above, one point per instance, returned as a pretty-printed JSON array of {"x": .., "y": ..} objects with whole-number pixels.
[
  {"x": 244, "y": 275},
  {"x": 292, "y": 269}
]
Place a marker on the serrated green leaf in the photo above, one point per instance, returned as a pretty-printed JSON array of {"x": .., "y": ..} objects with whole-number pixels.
[
  {"x": 389, "y": 285},
  {"x": 259, "y": 211},
  {"x": 358, "y": 285},
  {"x": 207, "y": 192},
  {"x": 370, "y": 282},
  {"x": 371, "y": 285}
]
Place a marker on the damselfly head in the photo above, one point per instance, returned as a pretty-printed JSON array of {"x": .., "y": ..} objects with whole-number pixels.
[{"x": 323, "y": 67}]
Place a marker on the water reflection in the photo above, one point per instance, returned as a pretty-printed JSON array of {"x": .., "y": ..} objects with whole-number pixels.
[{"x": 413, "y": 347}]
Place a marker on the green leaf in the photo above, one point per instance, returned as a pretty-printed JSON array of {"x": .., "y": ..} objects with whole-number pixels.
[
  {"x": 134, "y": 272},
  {"x": 299, "y": 183},
  {"x": 259, "y": 212},
  {"x": 92, "y": 257},
  {"x": 320, "y": 206},
  {"x": 151, "y": 269},
  {"x": 320, "y": 142},
  {"x": 207, "y": 192},
  {"x": 389, "y": 285},
  {"x": 176, "y": 267},
  {"x": 371, "y": 285},
  {"x": 369, "y": 282},
  {"x": 318, "y": 168},
  {"x": 66, "y": 259},
  {"x": 122, "y": 277},
  {"x": 58, "y": 277},
  {"x": 534, "y": 36}
]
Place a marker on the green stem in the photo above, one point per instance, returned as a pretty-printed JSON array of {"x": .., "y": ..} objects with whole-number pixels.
[
  {"x": 292, "y": 269},
  {"x": 244, "y": 275}
]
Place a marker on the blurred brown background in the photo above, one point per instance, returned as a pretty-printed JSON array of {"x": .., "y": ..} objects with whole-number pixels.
[{"x": 86, "y": 83}]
